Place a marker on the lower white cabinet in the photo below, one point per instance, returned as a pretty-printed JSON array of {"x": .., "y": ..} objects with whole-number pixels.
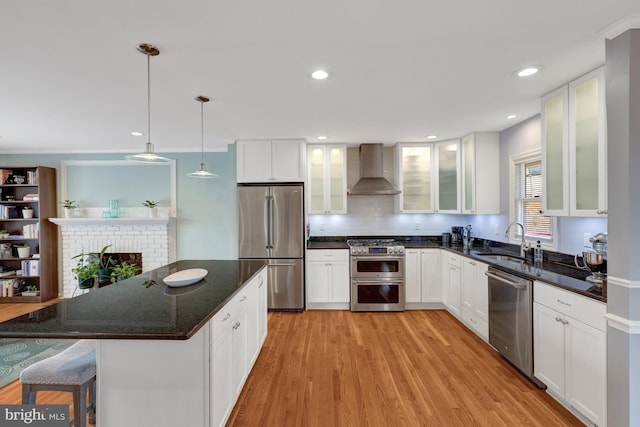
[
  {"x": 422, "y": 277},
  {"x": 569, "y": 333},
  {"x": 451, "y": 282},
  {"x": 475, "y": 297},
  {"x": 237, "y": 334},
  {"x": 327, "y": 272}
]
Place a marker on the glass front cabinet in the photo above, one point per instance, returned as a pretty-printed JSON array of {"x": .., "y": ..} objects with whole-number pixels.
[
  {"x": 327, "y": 179},
  {"x": 447, "y": 161},
  {"x": 414, "y": 177},
  {"x": 574, "y": 148}
]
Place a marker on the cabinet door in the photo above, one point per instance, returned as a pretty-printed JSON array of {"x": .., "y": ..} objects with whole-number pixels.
[
  {"x": 336, "y": 179},
  {"x": 253, "y": 160},
  {"x": 586, "y": 363},
  {"x": 317, "y": 179},
  {"x": 413, "y": 285},
  {"x": 587, "y": 145},
  {"x": 318, "y": 281},
  {"x": 262, "y": 307},
  {"x": 447, "y": 156},
  {"x": 444, "y": 270},
  {"x": 454, "y": 289},
  {"x": 340, "y": 291},
  {"x": 468, "y": 174},
  {"x": 468, "y": 284},
  {"x": 482, "y": 291},
  {"x": 287, "y": 158},
  {"x": 239, "y": 337},
  {"x": 430, "y": 271},
  {"x": 415, "y": 178},
  {"x": 548, "y": 348},
  {"x": 221, "y": 384},
  {"x": 555, "y": 153}
]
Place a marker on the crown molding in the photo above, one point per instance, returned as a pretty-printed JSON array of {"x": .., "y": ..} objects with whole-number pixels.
[{"x": 629, "y": 22}]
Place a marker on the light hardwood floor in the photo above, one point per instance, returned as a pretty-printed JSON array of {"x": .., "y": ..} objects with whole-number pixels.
[{"x": 338, "y": 368}]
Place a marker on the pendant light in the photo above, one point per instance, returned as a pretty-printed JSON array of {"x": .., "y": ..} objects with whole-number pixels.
[
  {"x": 149, "y": 156},
  {"x": 202, "y": 172}
]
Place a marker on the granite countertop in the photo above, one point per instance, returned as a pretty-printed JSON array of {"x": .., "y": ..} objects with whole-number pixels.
[
  {"x": 141, "y": 307},
  {"x": 556, "y": 270}
]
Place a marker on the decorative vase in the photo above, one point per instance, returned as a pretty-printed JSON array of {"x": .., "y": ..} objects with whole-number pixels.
[
  {"x": 68, "y": 212},
  {"x": 153, "y": 212},
  {"x": 86, "y": 283},
  {"x": 27, "y": 213},
  {"x": 23, "y": 252}
]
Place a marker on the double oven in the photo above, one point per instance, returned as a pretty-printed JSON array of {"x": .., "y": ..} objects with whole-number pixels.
[{"x": 377, "y": 275}]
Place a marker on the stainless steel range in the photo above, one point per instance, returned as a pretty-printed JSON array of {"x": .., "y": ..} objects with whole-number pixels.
[{"x": 377, "y": 275}]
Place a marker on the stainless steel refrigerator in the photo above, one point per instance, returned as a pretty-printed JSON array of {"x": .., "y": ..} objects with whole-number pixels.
[{"x": 271, "y": 228}]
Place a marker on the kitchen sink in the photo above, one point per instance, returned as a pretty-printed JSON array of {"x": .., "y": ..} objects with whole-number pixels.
[{"x": 502, "y": 257}]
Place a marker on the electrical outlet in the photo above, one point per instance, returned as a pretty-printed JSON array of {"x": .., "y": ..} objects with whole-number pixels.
[
  {"x": 417, "y": 226},
  {"x": 321, "y": 227},
  {"x": 497, "y": 229},
  {"x": 585, "y": 240}
]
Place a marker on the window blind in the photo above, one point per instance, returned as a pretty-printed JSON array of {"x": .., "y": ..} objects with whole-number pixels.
[{"x": 528, "y": 200}]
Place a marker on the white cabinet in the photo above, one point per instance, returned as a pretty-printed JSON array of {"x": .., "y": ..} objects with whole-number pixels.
[
  {"x": 237, "y": 334},
  {"x": 270, "y": 161},
  {"x": 327, "y": 274},
  {"x": 422, "y": 278},
  {"x": 574, "y": 148},
  {"x": 415, "y": 177},
  {"x": 475, "y": 296},
  {"x": 481, "y": 173},
  {"x": 451, "y": 282},
  {"x": 447, "y": 188},
  {"x": 327, "y": 179},
  {"x": 570, "y": 349}
]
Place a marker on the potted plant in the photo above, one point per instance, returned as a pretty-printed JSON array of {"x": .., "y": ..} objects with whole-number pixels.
[
  {"x": 31, "y": 291},
  {"x": 23, "y": 251},
  {"x": 123, "y": 271},
  {"x": 153, "y": 207},
  {"x": 105, "y": 265},
  {"x": 86, "y": 270},
  {"x": 4, "y": 234},
  {"x": 69, "y": 206},
  {"x": 27, "y": 212}
]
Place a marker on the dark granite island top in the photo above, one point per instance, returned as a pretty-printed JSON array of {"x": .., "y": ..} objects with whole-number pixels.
[{"x": 142, "y": 307}]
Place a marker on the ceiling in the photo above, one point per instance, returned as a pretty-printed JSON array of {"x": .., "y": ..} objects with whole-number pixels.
[{"x": 72, "y": 80}]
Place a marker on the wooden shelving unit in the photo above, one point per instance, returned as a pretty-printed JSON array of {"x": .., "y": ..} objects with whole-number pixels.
[{"x": 42, "y": 183}]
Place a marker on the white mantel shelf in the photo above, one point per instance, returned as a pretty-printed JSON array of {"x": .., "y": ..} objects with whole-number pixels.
[{"x": 110, "y": 221}]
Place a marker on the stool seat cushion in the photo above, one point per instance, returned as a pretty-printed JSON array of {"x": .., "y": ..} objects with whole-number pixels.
[{"x": 73, "y": 366}]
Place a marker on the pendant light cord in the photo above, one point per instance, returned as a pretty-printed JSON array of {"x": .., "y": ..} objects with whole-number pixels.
[
  {"x": 148, "y": 98},
  {"x": 202, "y": 132}
]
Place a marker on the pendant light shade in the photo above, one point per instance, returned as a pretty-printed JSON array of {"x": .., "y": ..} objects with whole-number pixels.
[
  {"x": 202, "y": 172},
  {"x": 149, "y": 155}
]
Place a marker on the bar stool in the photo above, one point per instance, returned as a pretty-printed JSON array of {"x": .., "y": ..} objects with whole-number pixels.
[{"x": 72, "y": 370}]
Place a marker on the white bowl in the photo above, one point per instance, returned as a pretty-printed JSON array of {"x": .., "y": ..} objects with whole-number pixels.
[{"x": 185, "y": 277}]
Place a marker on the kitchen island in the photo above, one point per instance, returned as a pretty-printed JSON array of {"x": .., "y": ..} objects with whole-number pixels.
[{"x": 165, "y": 356}]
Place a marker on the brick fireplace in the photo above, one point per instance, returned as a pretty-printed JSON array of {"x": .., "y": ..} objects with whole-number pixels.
[{"x": 154, "y": 238}]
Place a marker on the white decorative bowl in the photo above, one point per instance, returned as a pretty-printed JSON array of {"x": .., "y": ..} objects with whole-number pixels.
[{"x": 185, "y": 277}]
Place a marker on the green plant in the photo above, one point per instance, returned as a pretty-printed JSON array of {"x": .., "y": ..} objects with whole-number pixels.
[
  {"x": 69, "y": 204},
  {"x": 150, "y": 204},
  {"x": 86, "y": 267},
  {"x": 123, "y": 271},
  {"x": 4, "y": 231},
  {"x": 104, "y": 262},
  {"x": 31, "y": 288},
  {"x": 27, "y": 208}
]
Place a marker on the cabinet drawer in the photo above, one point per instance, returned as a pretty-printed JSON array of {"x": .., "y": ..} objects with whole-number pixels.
[
  {"x": 574, "y": 305},
  {"x": 480, "y": 326},
  {"x": 453, "y": 259},
  {"x": 328, "y": 255},
  {"x": 224, "y": 318}
]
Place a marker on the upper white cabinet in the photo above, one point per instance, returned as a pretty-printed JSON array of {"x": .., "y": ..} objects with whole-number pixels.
[
  {"x": 327, "y": 179},
  {"x": 415, "y": 177},
  {"x": 481, "y": 173},
  {"x": 574, "y": 148},
  {"x": 270, "y": 161},
  {"x": 447, "y": 164}
]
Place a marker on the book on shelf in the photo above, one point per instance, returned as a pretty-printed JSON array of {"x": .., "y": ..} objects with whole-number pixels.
[
  {"x": 7, "y": 287},
  {"x": 30, "y": 267},
  {"x": 31, "y": 231},
  {"x": 6, "y": 212},
  {"x": 7, "y": 273},
  {"x": 30, "y": 198}
]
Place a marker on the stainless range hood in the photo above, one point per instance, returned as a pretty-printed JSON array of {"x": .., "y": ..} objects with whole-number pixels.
[{"x": 372, "y": 182}]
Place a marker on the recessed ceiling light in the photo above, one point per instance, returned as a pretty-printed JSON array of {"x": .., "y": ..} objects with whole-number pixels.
[
  {"x": 527, "y": 71},
  {"x": 432, "y": 136},
  {"x": 319, "y": 74},
  {"x": 511, "y": 116},
  {"x": 137, "y": 133},
  {"x": 322, "y": 137}
]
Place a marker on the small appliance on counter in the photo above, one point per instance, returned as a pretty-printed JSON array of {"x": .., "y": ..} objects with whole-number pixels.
[
  {"x": 595, "y": 260},
  {"x": 456, "y": 234}
]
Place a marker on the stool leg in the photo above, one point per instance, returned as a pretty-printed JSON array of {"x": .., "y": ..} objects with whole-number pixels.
[
  {"x": 28, "y": 396},
  {"x": 79, "y": 406},
  {"x": 92, "y": 402}
]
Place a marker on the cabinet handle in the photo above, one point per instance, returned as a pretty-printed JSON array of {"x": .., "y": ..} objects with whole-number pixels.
[
  {"x": 558, "y": 319},
  {"x": 563, "y": 303},
  {"x": 236, "y": 326},
  {"x": 472, "y": 262},
  {"x": 244, "y": 298},
  {"x": 261, "y": 282},
  {"x": 603, "y": 212},
  {"x": 226, "y": 317}
]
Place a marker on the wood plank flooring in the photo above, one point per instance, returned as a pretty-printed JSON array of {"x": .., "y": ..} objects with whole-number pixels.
[
  {"x": 338, "y": 368},
  {"x": 417, "y": 368}
]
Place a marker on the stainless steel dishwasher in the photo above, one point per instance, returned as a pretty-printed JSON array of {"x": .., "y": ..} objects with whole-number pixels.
[{"x": 511, "y": 319}]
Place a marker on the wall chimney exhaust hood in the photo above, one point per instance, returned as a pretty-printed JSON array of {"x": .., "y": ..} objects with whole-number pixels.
[{"x": 372, "y": 182}]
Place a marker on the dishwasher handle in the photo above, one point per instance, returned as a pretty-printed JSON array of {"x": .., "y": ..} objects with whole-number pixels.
[{"x": 516, "y": 285}]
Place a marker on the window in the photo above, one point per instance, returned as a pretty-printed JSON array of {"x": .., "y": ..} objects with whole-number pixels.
[{"x": 527, "y": 199}]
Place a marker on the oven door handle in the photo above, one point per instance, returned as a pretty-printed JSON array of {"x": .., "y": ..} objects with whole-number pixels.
[
  {"x": 507, "y": 281},
  {"x": 379, "y": 281},
  {"x": 378, "y": 257}
]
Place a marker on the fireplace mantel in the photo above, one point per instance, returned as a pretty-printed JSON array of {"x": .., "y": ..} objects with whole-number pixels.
[{"x": 110, "y": 221}]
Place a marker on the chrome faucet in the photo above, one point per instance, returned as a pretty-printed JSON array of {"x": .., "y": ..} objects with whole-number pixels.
[{"x": 523, "y": 243}]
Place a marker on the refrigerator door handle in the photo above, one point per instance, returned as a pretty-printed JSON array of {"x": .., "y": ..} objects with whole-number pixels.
[
  {"x": 267, "y": 229},
  {"x": 270, "y": 222}
]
